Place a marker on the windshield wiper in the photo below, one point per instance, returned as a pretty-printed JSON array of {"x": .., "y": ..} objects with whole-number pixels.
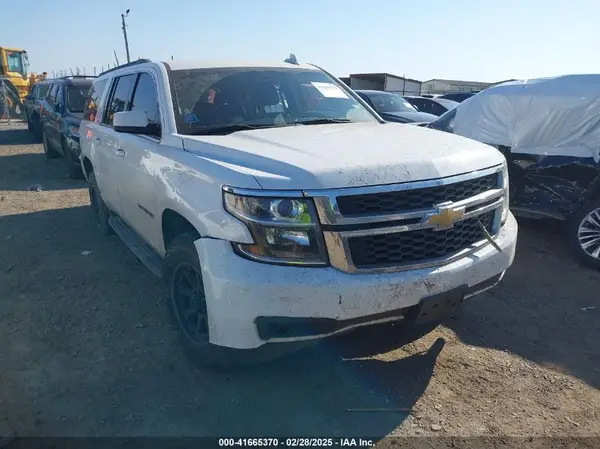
[
  {"x": 227, "y": 129},
  {"x": 321, "y": 121}
]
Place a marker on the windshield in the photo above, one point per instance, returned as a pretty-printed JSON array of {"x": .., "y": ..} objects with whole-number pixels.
[
  {"x": 76, "y": 98},
  {"x": 15, "y": 62},
  {"x": 205, "y": 99},
  {"x": 390, "y": 103}
]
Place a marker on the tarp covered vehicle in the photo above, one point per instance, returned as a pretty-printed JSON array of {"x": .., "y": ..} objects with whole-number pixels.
[{"x": 549, "y": 131}]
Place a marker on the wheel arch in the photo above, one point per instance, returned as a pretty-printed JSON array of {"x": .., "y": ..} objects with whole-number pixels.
[
  {"x": 174, "y": 224},
  {"x": 88, "y": 167}
]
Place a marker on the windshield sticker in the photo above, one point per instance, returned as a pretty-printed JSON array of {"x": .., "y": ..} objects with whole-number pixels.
[{"x": 329, "y": 90}]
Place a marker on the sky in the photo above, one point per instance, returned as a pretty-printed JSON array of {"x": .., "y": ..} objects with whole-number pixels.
[{"x": 460, "y": 39}]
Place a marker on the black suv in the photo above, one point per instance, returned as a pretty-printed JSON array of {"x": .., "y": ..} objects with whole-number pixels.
[
  {"x": 32, "y": 107},
  {"x": 61, "y": 112}
]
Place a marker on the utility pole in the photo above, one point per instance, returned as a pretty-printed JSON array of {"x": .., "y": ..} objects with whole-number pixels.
[{"x": 125, "y": 34}]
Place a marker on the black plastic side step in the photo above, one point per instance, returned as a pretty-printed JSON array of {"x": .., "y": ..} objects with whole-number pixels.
[{"x": 142, "y": 251}]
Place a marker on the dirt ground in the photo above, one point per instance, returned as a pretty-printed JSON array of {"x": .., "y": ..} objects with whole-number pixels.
[{"x": 86, "y": 348}]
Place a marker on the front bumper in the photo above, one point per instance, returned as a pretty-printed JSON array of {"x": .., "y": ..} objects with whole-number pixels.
[{"x": 241, "y": 294}]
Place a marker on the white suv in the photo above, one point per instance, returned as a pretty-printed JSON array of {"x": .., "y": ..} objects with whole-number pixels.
[{"x": 279, "y": 207}]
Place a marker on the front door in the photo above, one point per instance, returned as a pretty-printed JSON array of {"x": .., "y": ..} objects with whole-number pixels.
[
  {"x": 107, "y": 157},
  {"x": 137, "y": 174}
]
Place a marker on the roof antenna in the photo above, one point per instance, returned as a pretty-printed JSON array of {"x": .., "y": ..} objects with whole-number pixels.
[{"x": 292, "y": 59}]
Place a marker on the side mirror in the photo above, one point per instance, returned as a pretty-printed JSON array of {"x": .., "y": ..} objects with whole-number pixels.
[{"x": 134, "y": 122}]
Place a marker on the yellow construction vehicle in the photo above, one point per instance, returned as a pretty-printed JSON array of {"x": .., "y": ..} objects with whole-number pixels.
[
  {"x": 13, "y": 65},
  {"x": 13, "y": 75}
]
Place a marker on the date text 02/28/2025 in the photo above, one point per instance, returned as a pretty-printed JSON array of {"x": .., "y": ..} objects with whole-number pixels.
[{"x": 295, "y": 442}]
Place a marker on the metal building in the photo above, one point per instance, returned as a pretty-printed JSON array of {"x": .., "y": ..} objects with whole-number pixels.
[{"x": 385, "y": 82}]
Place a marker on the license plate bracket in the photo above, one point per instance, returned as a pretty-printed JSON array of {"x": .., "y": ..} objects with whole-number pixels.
[{"x": 440, "y": 306}]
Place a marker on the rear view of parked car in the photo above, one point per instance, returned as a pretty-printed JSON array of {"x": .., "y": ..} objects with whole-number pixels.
[
  {"x": 435, "y": 106},
  {"x": 548, "y": 130},
  {"x": 393, "y": 107},
  {"x": 61, "y": 113}
]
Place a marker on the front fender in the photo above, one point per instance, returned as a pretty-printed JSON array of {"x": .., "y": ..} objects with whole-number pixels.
[{"x": 192, "y": 187}]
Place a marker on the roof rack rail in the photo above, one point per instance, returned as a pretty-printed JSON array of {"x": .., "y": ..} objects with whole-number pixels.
[
  {"x": 75, "y": 76},
  {"x": 139, "y": 61}
]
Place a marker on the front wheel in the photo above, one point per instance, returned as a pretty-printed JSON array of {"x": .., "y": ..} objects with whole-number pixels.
[
  {"x": 584, "y": 234},
  {"x": 187, "y": 306}
]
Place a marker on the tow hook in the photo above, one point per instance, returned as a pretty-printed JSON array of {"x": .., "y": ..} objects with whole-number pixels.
[{"x": 488, "y": 237}]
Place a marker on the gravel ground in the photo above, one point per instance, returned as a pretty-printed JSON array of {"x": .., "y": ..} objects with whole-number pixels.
[{"x": 86, "y": 348}]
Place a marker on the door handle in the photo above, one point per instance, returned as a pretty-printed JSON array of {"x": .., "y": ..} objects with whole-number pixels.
[
  {"x": 98, "y": 141},
  {"x": 120, "y": 152}
]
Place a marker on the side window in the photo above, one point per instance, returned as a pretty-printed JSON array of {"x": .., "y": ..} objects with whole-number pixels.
[
  {"x": 58, "y": 98},
  {"x": 41, "y": 91},
  {"x": 52, "y": 94},
  {"x": 437, "y": 109},
  {"x": 428, "y": 106},
  {"x": 94, "y": 99},
  {"x": 417, "y": 103},
  {"x": 120, "y": 98},
  {"x": 145, "y": 98}
]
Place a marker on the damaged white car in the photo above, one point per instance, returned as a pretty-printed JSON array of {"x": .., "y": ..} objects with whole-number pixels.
[
  {"x": 280, "y": 208},
  {"x": 549, "y": 131}
]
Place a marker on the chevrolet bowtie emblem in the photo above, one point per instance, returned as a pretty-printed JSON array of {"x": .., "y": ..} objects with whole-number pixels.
[{"x": 445, "y": 216}]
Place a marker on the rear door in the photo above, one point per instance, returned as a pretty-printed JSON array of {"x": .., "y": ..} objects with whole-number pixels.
[
  {"x": 30, "y": 100},
  {"x": 41, "y": 92},
  {"x": 90, "y": 128},
  {"x": 53, "y": 101},
  {"x": 55, "y": 118},
  {"x": 107, "y": 155},
  {"x": 47, "y": 104}
]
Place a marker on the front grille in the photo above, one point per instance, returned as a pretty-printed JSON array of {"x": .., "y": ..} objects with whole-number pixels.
[
  {"x": 413, "y": 247},
  {"x": 403, "y": 200}
]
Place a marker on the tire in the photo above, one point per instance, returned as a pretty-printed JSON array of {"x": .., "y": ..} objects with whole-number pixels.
[
  {"x": 49, "y": 151},
  {"x": 99, "y": 208},
  {"x": 74, "y": 168},
  {"x": 587, "y": 218},
  {"x": 182, "y": 267}
]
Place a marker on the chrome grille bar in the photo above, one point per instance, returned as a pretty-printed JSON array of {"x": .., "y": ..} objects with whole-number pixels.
[{"x": 337, "y": 234}]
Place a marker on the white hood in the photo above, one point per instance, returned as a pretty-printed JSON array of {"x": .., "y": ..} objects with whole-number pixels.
[{"x": 343, "y": 155}]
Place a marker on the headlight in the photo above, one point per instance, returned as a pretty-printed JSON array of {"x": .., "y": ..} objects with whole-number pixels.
[
  {"x": 506, "y": 189},
  {"x": 285, "y": 230}
]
